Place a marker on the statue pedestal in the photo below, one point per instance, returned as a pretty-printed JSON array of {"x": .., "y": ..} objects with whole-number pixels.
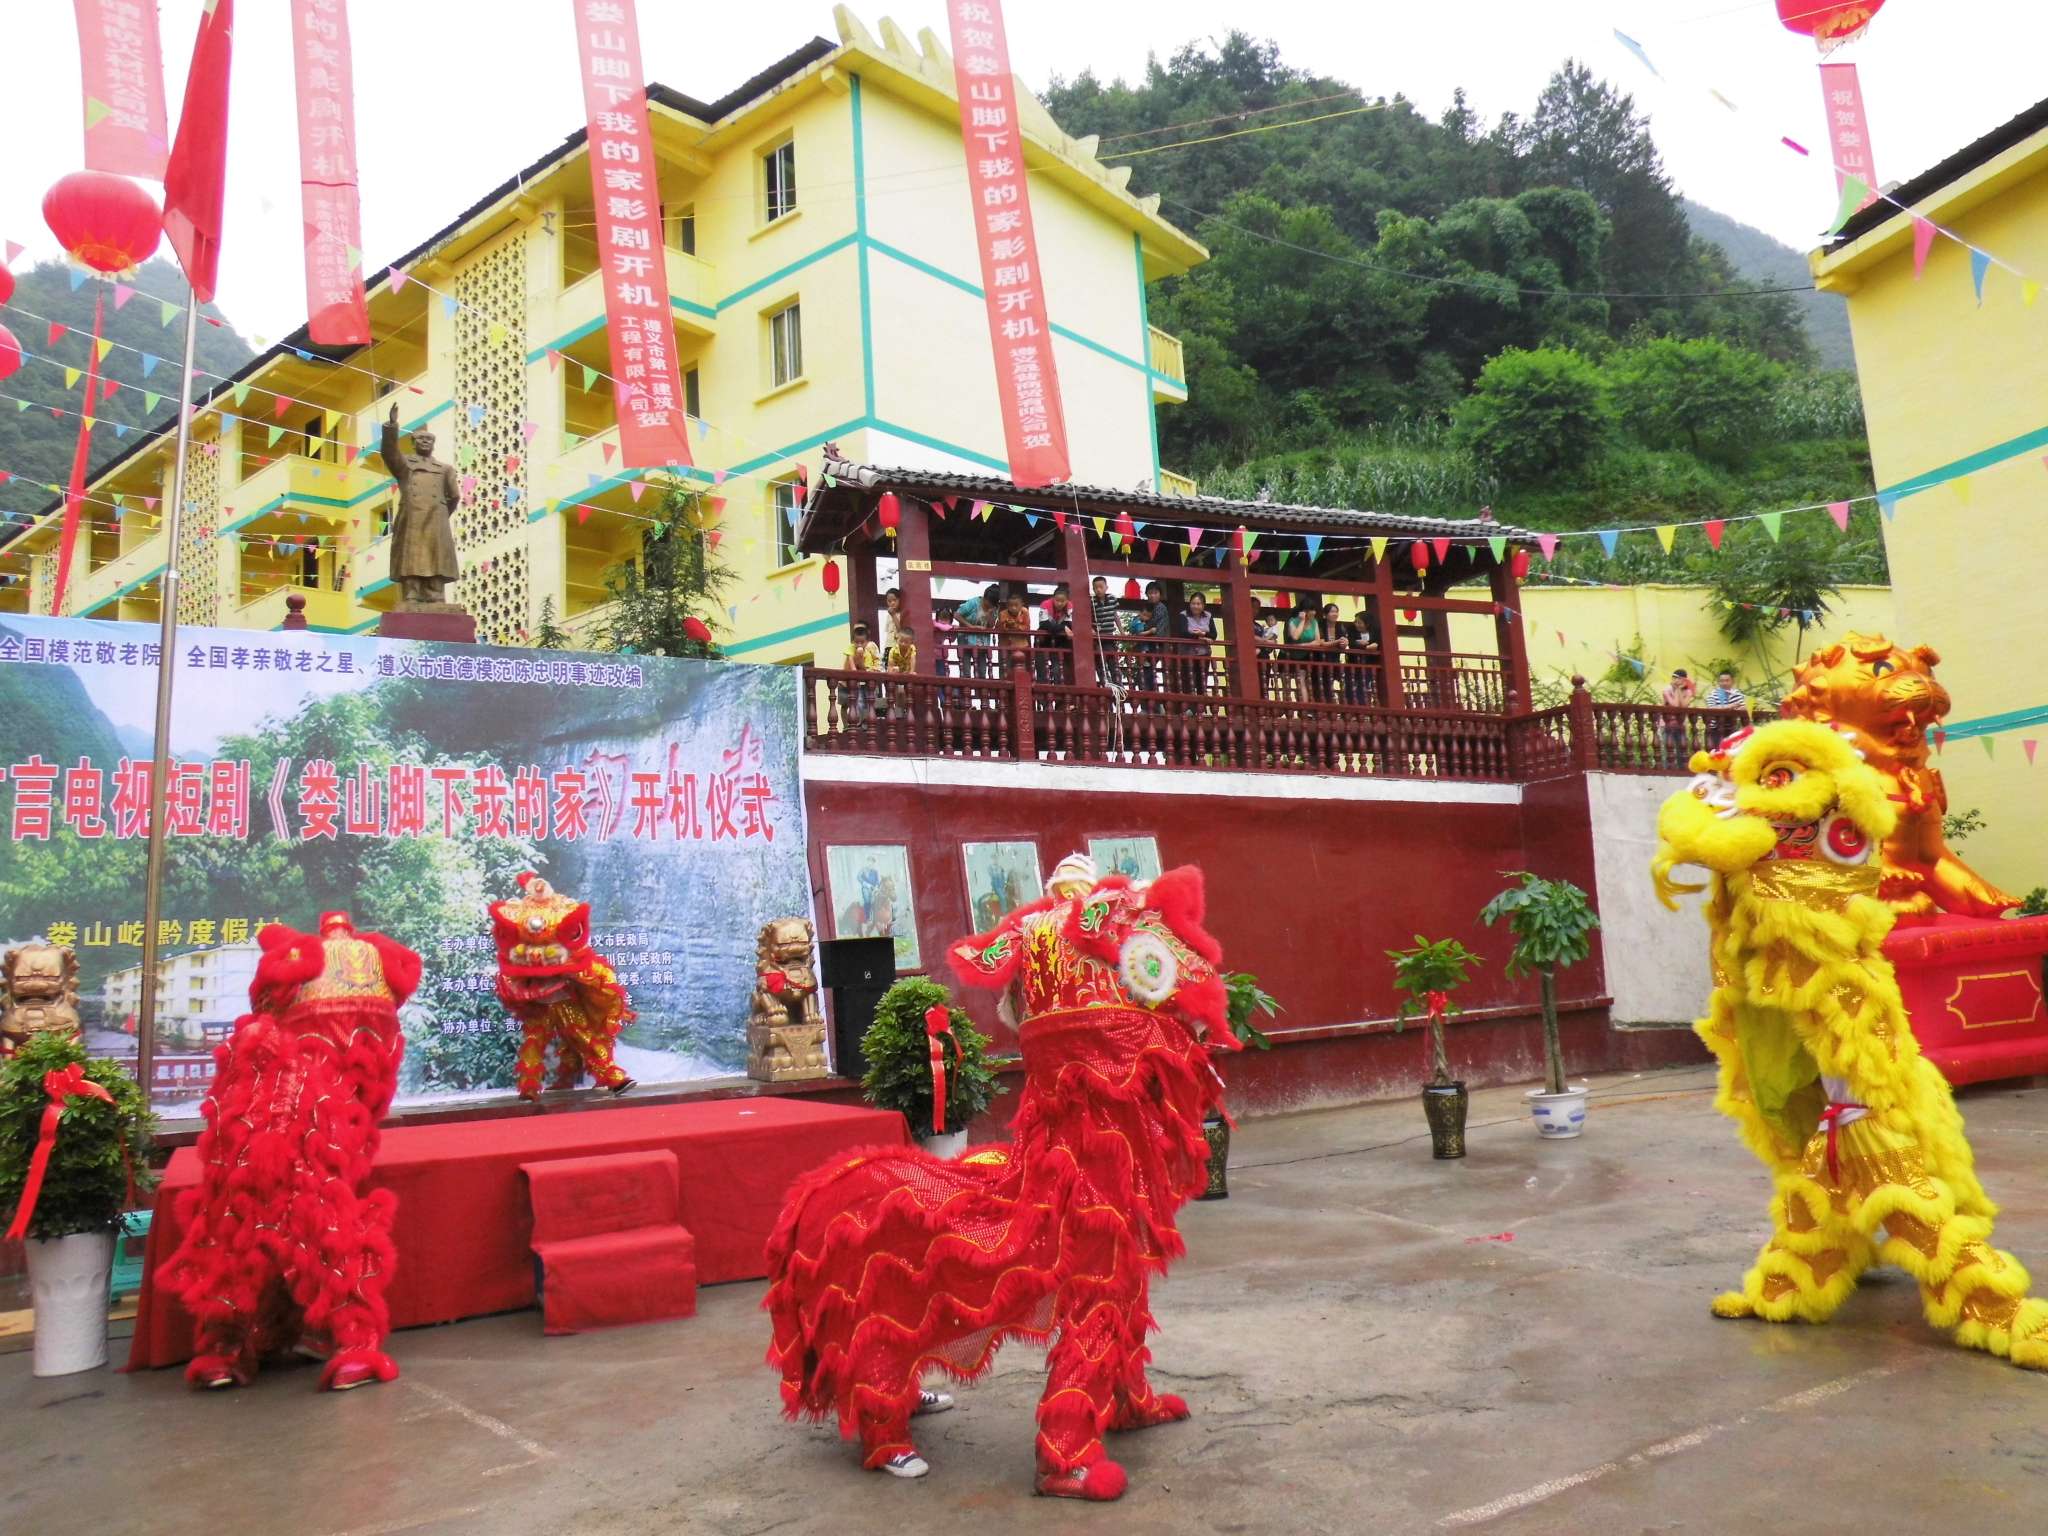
[
  {"x": 450, "y": 624},
  {"x": 1972, "y": 988}
]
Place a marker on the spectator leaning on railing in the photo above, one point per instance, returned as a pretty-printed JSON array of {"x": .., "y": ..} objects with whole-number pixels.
[{"x": 1725, "y": 695}]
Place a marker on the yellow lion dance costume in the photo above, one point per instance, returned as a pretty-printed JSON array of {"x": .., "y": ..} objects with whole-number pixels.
[{"x": 1817, "y": 1063}]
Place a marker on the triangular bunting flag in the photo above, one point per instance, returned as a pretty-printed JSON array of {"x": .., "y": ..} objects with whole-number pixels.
[
  {"x": 1314, "y": 541},
  {"x": 58, "y": 331},
  {"x": 170, "y": 311},
  {"x": 1442, "y": 548},
  {"x": 122, "y": 294},
  {"x": 1980, "y": 268},
  {"x": 1839, "y": 511},
  {"x": 496, "y": 333},
  {"x": 241, "y": 394},
  {"x": 279, "y": 404},
  {"x": 71, "y": 377},
  {"x": 1774, "y": 523},
  {"x": 103, "y": 347},
  {"x": 1379, "y": 548},
  {"x": 1923, "y": 242},
  {"x": 1855, "y": 193},
  {"x": 2028, "y": 745},
  {"x": 1962, "y": 485},
  {"x": 1989, "y": 750},
  {"x": 1184, "y": 552},
  {"x": 2030, "y": 290},
  {"x": 1499, "y": 545},
  {"x": 149, "y": 362},
  {"x": 275, "y": 433},
  {"x": 1547, "y": 542},
  {"x": 610, "y": 451},
  {"x": 636, "y": 490},
  {"x": 589, "y": 377},
  {"x": 398, "y": 280},
  {"x": 1608, "y": 538},
  {"x": 1888, "y": 504},
  {"x": 1101, "y": 526},
  {"x": 1194, "y": 538},
  {"x": 1667, "y": 534}
]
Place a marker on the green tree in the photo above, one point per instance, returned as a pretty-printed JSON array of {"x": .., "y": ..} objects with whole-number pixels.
[
  {"x": 674, "y": 580},
  {"x": 1701, "y": 394},
  {"x": 548, "y": 635},
  {"x": 1764, "y": 585},
  {"x": 1534, "y": 414},
  {"x": 1552, "y": 923}
]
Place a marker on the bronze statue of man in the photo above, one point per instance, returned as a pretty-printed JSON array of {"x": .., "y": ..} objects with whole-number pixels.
[{"x": 423, "y": 559}]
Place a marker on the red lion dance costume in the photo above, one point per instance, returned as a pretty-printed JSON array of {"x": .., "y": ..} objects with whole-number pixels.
[
  {"x": 558, "y": 988},
  {"x": 282, "y": 1247},
  {"x": 1061, "y": 1232}
]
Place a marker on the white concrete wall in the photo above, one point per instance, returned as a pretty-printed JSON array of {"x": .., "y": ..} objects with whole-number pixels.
[{"x": 1656, "y": 959}]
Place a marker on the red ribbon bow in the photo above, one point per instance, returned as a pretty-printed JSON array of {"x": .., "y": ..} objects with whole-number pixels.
[
  {"x": 62, "y": 1086},
  {"x": 1438, "y": 1003},
  {"x": 938, "y": 1029},
  {"x": 1831, "y": 1119},
  {"x": 775, "y": 981}
]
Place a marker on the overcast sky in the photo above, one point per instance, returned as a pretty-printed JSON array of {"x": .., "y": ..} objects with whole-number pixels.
[{"x": 452, "y": 96}]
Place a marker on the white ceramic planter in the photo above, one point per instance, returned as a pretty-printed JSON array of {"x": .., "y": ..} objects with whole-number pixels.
[
  {"x": 1558, "y": 1115},
  {"x": 68, "y": 1278},
  {"x": 948, "y": 1146}
]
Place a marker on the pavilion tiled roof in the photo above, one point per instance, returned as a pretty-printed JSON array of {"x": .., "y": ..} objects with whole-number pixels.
[{"x": 829, "y": 517}]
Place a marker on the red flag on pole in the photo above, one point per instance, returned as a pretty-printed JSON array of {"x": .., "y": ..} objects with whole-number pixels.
[
  {"x": 1034, "y": 426},
  {"x": 329, "y": 200},
  {"x": 195, "y": 184},
  {"x": 121, "y": 64},
  {"x": 74, "y": 493}
]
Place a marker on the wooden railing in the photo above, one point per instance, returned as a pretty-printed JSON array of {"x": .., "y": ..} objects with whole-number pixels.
[{"x": 1314, "y": 717}]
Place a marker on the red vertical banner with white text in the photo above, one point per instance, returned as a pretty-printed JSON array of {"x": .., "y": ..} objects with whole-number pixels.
[
  {"x": 1034, "y": 426},
  {"x": 1848, "y": 128},
  {"x": 330, "y": 203},
  {"x": 625, "y": 189},
  {"x": 121, "y": 65}
]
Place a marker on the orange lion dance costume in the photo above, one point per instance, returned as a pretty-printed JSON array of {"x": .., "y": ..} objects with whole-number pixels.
[
  {"x": 558, "y": 988},
  {"x": 895, "y": 1262},
  {"x": 282, "y": 1246}
]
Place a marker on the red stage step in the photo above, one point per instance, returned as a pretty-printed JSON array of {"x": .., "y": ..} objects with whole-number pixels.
[{"x": 610, "y": 1246}]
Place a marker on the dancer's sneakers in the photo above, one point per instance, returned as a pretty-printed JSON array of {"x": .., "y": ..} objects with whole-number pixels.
[
  {"x": 1163, "y": 1408},
  {"x": 905, "y": 1464},
  {"x": 1098, "y": 1482},
  {"x": 929, "y": 1401}
]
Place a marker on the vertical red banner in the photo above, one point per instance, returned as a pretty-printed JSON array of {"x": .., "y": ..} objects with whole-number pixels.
[
  {"x": 1848, "y": 129},
  {"x": 121, "y": 65},
  {"x": 330, "y": 205},
  {"x": 1034, "y": 426},
  {"x": 625, "y": 188}
]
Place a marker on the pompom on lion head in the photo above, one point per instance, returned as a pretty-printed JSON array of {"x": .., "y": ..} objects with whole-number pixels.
[
  {"x": 1882, "y": 691},
  {"x": 1790, "y": 790}
]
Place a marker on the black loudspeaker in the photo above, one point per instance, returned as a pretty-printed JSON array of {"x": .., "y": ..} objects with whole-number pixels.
[
  {"x": 857, "y": 962},
  {"x": 853, "y": 1010}
]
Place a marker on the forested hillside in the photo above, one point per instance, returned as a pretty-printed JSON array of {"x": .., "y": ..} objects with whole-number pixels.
[
  {"x": 1435, "y": 315},
  {"x": 1763, "y": 259}
]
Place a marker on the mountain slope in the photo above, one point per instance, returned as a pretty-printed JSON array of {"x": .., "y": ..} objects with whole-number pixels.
[{"x": 1764, "y": 260}]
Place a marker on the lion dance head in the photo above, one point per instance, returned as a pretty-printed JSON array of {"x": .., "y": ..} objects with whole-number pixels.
[
  {"x": 1771, "y": 799},
  {"x": 543, "y": 940}
]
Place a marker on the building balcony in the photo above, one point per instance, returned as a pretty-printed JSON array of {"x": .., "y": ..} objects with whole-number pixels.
[
  {"x": 580, "y": 309},
  {"x": 293, "y": 480},
  {"x": 369, "y": 576},
  {"x": 106, "y": 582},
  {"x": 1171, "y": 484},
  {"x": 1168, "y": 360},
  {"x": 333, "y": 611}
]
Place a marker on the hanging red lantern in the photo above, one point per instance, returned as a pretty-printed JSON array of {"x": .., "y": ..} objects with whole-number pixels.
[
  {"x": 1829, "y": 25},
  {"x": 6, "y": 286},
  {"x": 1282, "y": 601},
  {"x": 1519, "y": 564},
  {"x": 10, "y": 354},
  {"x": 830, "y": 578},
  {"x": 696, "y": 629},
  {"x": 1126, "y": 526},
  {"x": 103, "y": 221},
  {"x": 1419, "y": 553},
  {"x": 889, "y": 513},
  {"x": 1131, "y": 587}
]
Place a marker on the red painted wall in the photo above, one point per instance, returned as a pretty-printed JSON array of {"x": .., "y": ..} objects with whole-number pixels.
[{"x": 1306, "y": 894}]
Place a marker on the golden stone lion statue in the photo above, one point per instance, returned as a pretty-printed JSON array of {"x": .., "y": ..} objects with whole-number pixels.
[
  {"x": 1887, "y": 698},
  {"x": 38, "y": 994}
]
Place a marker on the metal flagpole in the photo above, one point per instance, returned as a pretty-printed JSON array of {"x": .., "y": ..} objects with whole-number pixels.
[{"x": 166, "y": 671}]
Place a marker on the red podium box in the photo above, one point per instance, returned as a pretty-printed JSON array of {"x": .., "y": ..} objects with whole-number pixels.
[
  {"x": 1973, "y": 989},
  {"x": 611, "y": 1250}
]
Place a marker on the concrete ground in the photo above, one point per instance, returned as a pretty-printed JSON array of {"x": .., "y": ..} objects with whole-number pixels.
[{"x": 1371, "y": 1342}]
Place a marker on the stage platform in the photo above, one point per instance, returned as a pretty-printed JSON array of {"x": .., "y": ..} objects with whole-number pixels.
[{"x": 464, "y": 1225}]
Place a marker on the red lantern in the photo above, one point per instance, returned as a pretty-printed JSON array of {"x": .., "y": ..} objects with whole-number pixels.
[
  {"x": 1131, "y": 588},
  {"x": 6, "y": 286},
  {"x": 1419, "y": 553},
  {"x": 10, "y": 354},
  {"x": 889, "y": 513},
  {"x": 697, "y": 629},
  {"x": 831, "y": 578},
  {"x": 1282, "y": 601},
  {"x": 1829, "y": 25},
  {"x": 1519, "y": 564},
  {"x": 103, "y": 221},
  {"x": 1126, "y": 526}
]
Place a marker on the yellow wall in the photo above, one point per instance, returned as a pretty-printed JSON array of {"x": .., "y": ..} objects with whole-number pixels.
[
  {"x": 1677, "y": 625},
  {"x": 1956, "y": 398},
  {"x": 896, "y": 367}
]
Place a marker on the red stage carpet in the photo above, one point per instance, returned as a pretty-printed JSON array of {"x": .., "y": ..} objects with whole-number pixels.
[{"x": 464, "y": 1225}]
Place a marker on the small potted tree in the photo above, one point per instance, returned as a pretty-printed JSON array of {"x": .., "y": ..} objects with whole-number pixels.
[
  {"x": 1426, "y": 975},
  {"x": 1246, "y": 1000},
  {"x": 914, "y": 1020},
  {"x": 94, "y": 1160},
  {"x": 1552, "y": 923}
]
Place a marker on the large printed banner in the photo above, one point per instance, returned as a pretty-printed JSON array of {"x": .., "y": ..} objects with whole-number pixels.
[
  {"x": 626, "y": 193},
  {"x": 329, "y": 200},
  {"x": 408, "y": 783},
  {"x": 1034, "y": 426},
  {"x": 121, "y": 65},
  {"x": 1848, "y": 126}
]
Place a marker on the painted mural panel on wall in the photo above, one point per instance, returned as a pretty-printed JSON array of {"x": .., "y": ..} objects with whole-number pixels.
[
  {"x": 871, "y": 898},
  {"x": 1135, "y": 858},
  {"x": 408, "y": 783},
  {"x": 1000, "y": 878}
]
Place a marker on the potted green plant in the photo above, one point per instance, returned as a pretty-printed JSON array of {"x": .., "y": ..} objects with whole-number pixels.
[
  {"x": 1425, "y": 976},
  {"x": 1552, "y": 923},
  {"x": 898, "y": 1047},
  {"x": 1245, "y": 1001},
  {"x": 97, "y": 1161}
]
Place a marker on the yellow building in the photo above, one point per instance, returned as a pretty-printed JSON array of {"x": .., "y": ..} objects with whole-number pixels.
[
  {"x": 824, "y": 280},
  {"x": 1957, "y": 404}
]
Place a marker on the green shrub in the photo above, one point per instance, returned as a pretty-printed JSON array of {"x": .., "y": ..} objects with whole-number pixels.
[
  {"x": 899, "y": 1074},
  {"x": 98, "y": 1144},
  {"x": 1247, "y": 999},
  {"x": 1438, "y": 965},
  {"x": 1536, "y": 414},
  {"x": 1702, "y": 395}
]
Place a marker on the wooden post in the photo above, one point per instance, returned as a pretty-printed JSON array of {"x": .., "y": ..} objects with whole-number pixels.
[
  {"x": 1390, "y": 633},
  {"x": 1585, "y": 741},
  {"x": 1021, "y": 728},
  {"x": 1244, "y": 635},
  {"x": 1080, "y": 597},
  {"x": 914, "y": 567},
  {"x": 1510, "y": 638},
  {"x": 864, "y": 594}
]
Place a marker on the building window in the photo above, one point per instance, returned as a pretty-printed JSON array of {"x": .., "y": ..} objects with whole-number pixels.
[
  {"x": 785, "y": 346},
  {"x": 787, "y": 511},
  {"x": 778, "y": 169},
  {"x": 679, "y": 227},
  {"x": 693, "y": 398}
]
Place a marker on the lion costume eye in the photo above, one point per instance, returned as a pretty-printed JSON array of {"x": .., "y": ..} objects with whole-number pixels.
[
  {"x": 1879, "y": 668},
  {"x": 1843, "y": 842},
  {"x": 1777, "y": 776}
]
